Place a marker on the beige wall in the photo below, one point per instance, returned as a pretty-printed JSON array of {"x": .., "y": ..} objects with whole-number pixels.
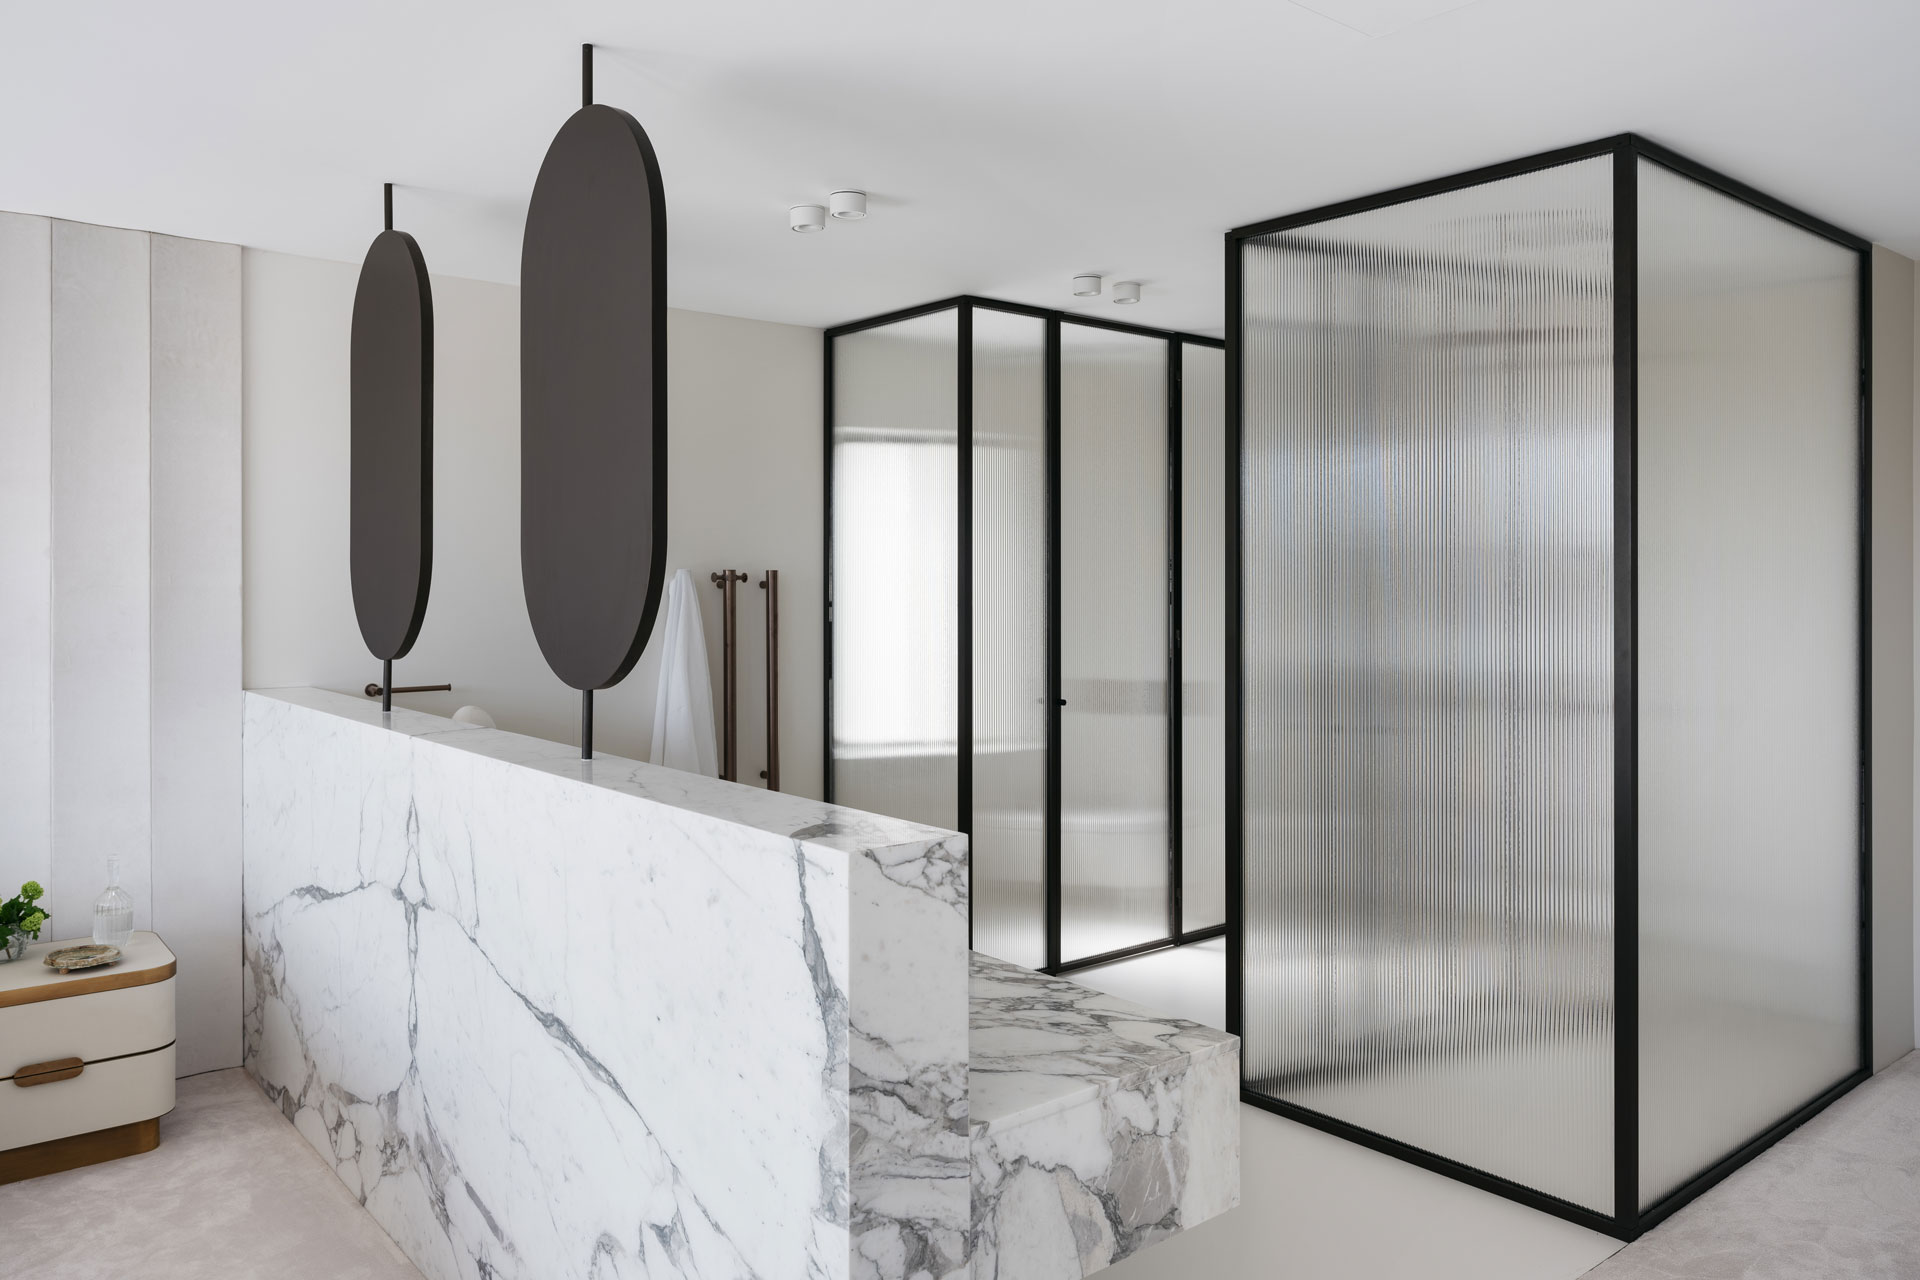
[{"x": 744, "y": 494}]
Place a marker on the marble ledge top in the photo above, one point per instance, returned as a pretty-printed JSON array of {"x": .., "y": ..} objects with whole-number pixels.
[
  {"x": 775, "y": 812},
  {"x": 1039, "y": 1045}
]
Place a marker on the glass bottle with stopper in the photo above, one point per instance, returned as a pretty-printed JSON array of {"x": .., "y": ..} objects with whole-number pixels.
[{"x": 113, "y": 911}]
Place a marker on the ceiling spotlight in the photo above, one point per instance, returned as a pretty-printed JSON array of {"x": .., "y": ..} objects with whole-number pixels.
[
  {"x": 1086, "y": 286},
  {"x": 807, "y": 217},
  {"x": 851, "y": 205},
  {"x": 1126, "y": 292}
]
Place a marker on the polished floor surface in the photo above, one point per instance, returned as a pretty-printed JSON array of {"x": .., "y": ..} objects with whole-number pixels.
[
  {"x": 1837, "y": 1199},
  {"x": 232, "y": 1193}
]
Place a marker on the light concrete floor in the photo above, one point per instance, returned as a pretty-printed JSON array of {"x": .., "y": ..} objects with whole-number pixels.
[
  {"x": 231, "y": 1193},
  {"x": 234, "y": 1192},
  {"x": 1837, "y": 1199}
]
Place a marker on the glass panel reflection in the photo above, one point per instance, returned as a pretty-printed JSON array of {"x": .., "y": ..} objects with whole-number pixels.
[
  {"x": 1113, "y": 640},
  {"x": 895, "y": 570},
  {"x": 1203, "y": 636},
  {"x": 1428, "y": 635},
  {"x": 1009, "y": 636},
  {"x": 1748, "y": 647}
]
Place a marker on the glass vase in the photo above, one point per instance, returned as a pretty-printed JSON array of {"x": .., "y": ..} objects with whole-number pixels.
[{"x": 113, "y": 911}]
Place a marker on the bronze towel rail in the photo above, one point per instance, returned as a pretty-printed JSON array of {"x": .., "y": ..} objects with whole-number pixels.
[
  {"x": 771, "y": 585},
  {"x": 729, "y": 736}
]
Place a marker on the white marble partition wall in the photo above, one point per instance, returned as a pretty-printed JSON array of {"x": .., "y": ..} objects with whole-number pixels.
[
  {"x": 26, "y": 558},
  {"x": 102, "y": 781},
  {"x": 195, "y": 419},
  {"x": 555, "y": 1018}
]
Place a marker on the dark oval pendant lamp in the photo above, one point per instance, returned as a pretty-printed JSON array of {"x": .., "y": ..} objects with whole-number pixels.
[{"x": 593, "y": 402}]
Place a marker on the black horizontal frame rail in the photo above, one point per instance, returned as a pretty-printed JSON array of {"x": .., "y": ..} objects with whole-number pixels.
[
  {"x": 1629, "y": 1219},
  {"x": 1019, "y": 309},
  {"x": 966, "y": 305}
]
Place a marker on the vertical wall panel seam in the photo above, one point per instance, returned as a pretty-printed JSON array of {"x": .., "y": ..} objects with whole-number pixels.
[
  {"x": 53, "y": 560},
  {"x": 153, "y": 788}
]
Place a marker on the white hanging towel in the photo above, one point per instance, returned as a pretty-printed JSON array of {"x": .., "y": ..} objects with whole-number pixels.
[{"x": 683, "y": 709}]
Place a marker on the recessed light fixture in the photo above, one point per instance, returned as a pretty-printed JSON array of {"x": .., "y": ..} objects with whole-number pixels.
[
  {"x": 1126, "y": 292},
  {"x": 807, "y": 217},
  {"x": 851, "y": 205},
  {"x": 1086, "y": 286}
]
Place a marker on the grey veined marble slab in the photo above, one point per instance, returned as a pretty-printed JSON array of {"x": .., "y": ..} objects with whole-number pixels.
[
  {"x": 1097, "y": 1128},
  {"x": 552, "y": 1018}
]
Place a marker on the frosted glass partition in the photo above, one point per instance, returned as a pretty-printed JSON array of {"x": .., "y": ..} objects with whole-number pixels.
[
  {"x": 1551, "y": 701},
  {"x": 1749, "y": 668},
  {"x": 895, "y": 572},
  {"x": 1428, "y": 677},
  {"x": 1203, "y": 636},
  {"x": 1009, "y": 636},
  {"x": 1114, "y": 854}
]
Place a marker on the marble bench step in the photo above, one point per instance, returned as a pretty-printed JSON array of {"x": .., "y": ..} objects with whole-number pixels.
[{"x": 1096, "y": 1128}]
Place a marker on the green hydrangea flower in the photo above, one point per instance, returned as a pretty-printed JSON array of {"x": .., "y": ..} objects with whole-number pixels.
[
  {"x": 31, "y": 891},
  {"x": 31, "y": 925}
]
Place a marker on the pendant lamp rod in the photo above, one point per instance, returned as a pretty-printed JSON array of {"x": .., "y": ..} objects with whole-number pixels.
[
  {"x": 586, "y": 75},
  {"x": 389, "y": 198}
]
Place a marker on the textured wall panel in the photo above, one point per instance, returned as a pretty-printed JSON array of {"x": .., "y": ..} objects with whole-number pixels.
[
  {"x": 1428, "y": 638},
  {"x": 102, "y": 685},
  {"x": 196, "y": 637},
  {"x": 26, "y": 557}
]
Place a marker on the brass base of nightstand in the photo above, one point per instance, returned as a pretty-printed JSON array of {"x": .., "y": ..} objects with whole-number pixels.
[{"x": 81, "y": 1149}]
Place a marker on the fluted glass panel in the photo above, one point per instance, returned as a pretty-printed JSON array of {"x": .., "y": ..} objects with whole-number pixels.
[
  {"x": 1009, "y": 636},
  {"x": 895, "y": 571},
  {"x": 1428, "y": 631},
  {"x": 1113, "y": 640},
  {"x": 1203, "y": 636},
  {"x": 1748, "y": 663}
]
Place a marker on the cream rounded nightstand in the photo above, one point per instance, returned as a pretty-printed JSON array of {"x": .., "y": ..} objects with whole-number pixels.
[{"x": 88, "y": 1058}]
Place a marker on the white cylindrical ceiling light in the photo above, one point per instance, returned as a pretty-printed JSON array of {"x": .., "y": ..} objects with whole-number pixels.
[
  {"x": 807, "y": 217},
  {"x": 1126, "y": 292},
  {"x": 851, "y": 205},
  {"x": 1086, "y": 286}
]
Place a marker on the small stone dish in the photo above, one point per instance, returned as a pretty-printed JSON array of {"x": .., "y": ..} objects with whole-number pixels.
[{"x": 91, "y": 956}]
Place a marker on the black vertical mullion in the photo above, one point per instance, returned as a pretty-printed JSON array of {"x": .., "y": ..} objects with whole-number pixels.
[
  {"x": 1864, "y": 622},
  {"x": 1176, "y": 672},
  {"x": 963, "y": 746},
  {"x": 1052, "y": 873},
  {"x": 1235, "y": 681},
  {"x": 826, "y": 570},
  {"x": 1626, "y": 707}
]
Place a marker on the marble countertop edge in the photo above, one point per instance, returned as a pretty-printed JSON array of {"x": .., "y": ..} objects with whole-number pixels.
[
  {"x": 811, "y": 822},
  {"x": 1093, "y": 1090}
]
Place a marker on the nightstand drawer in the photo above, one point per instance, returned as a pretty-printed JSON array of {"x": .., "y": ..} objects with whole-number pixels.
[
  {"x": 104, "y": 1024},
  {"x": 104, "y": 1094}
]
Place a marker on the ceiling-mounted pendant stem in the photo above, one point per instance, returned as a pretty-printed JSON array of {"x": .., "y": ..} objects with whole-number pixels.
[
  {"x": 389, "y": 202},
  {"x": 586, "y": 75}
]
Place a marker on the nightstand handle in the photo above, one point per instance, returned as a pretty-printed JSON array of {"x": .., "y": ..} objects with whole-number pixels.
[{"x": 48, "y": 1072}]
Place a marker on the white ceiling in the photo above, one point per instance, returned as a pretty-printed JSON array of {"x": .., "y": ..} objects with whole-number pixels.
[{"x": 1007, "y": 144}]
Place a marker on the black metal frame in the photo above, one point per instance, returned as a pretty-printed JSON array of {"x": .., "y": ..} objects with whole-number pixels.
[
  {"x": 966, "y": 305},
  {"x": 1629, "y": 1220}
]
